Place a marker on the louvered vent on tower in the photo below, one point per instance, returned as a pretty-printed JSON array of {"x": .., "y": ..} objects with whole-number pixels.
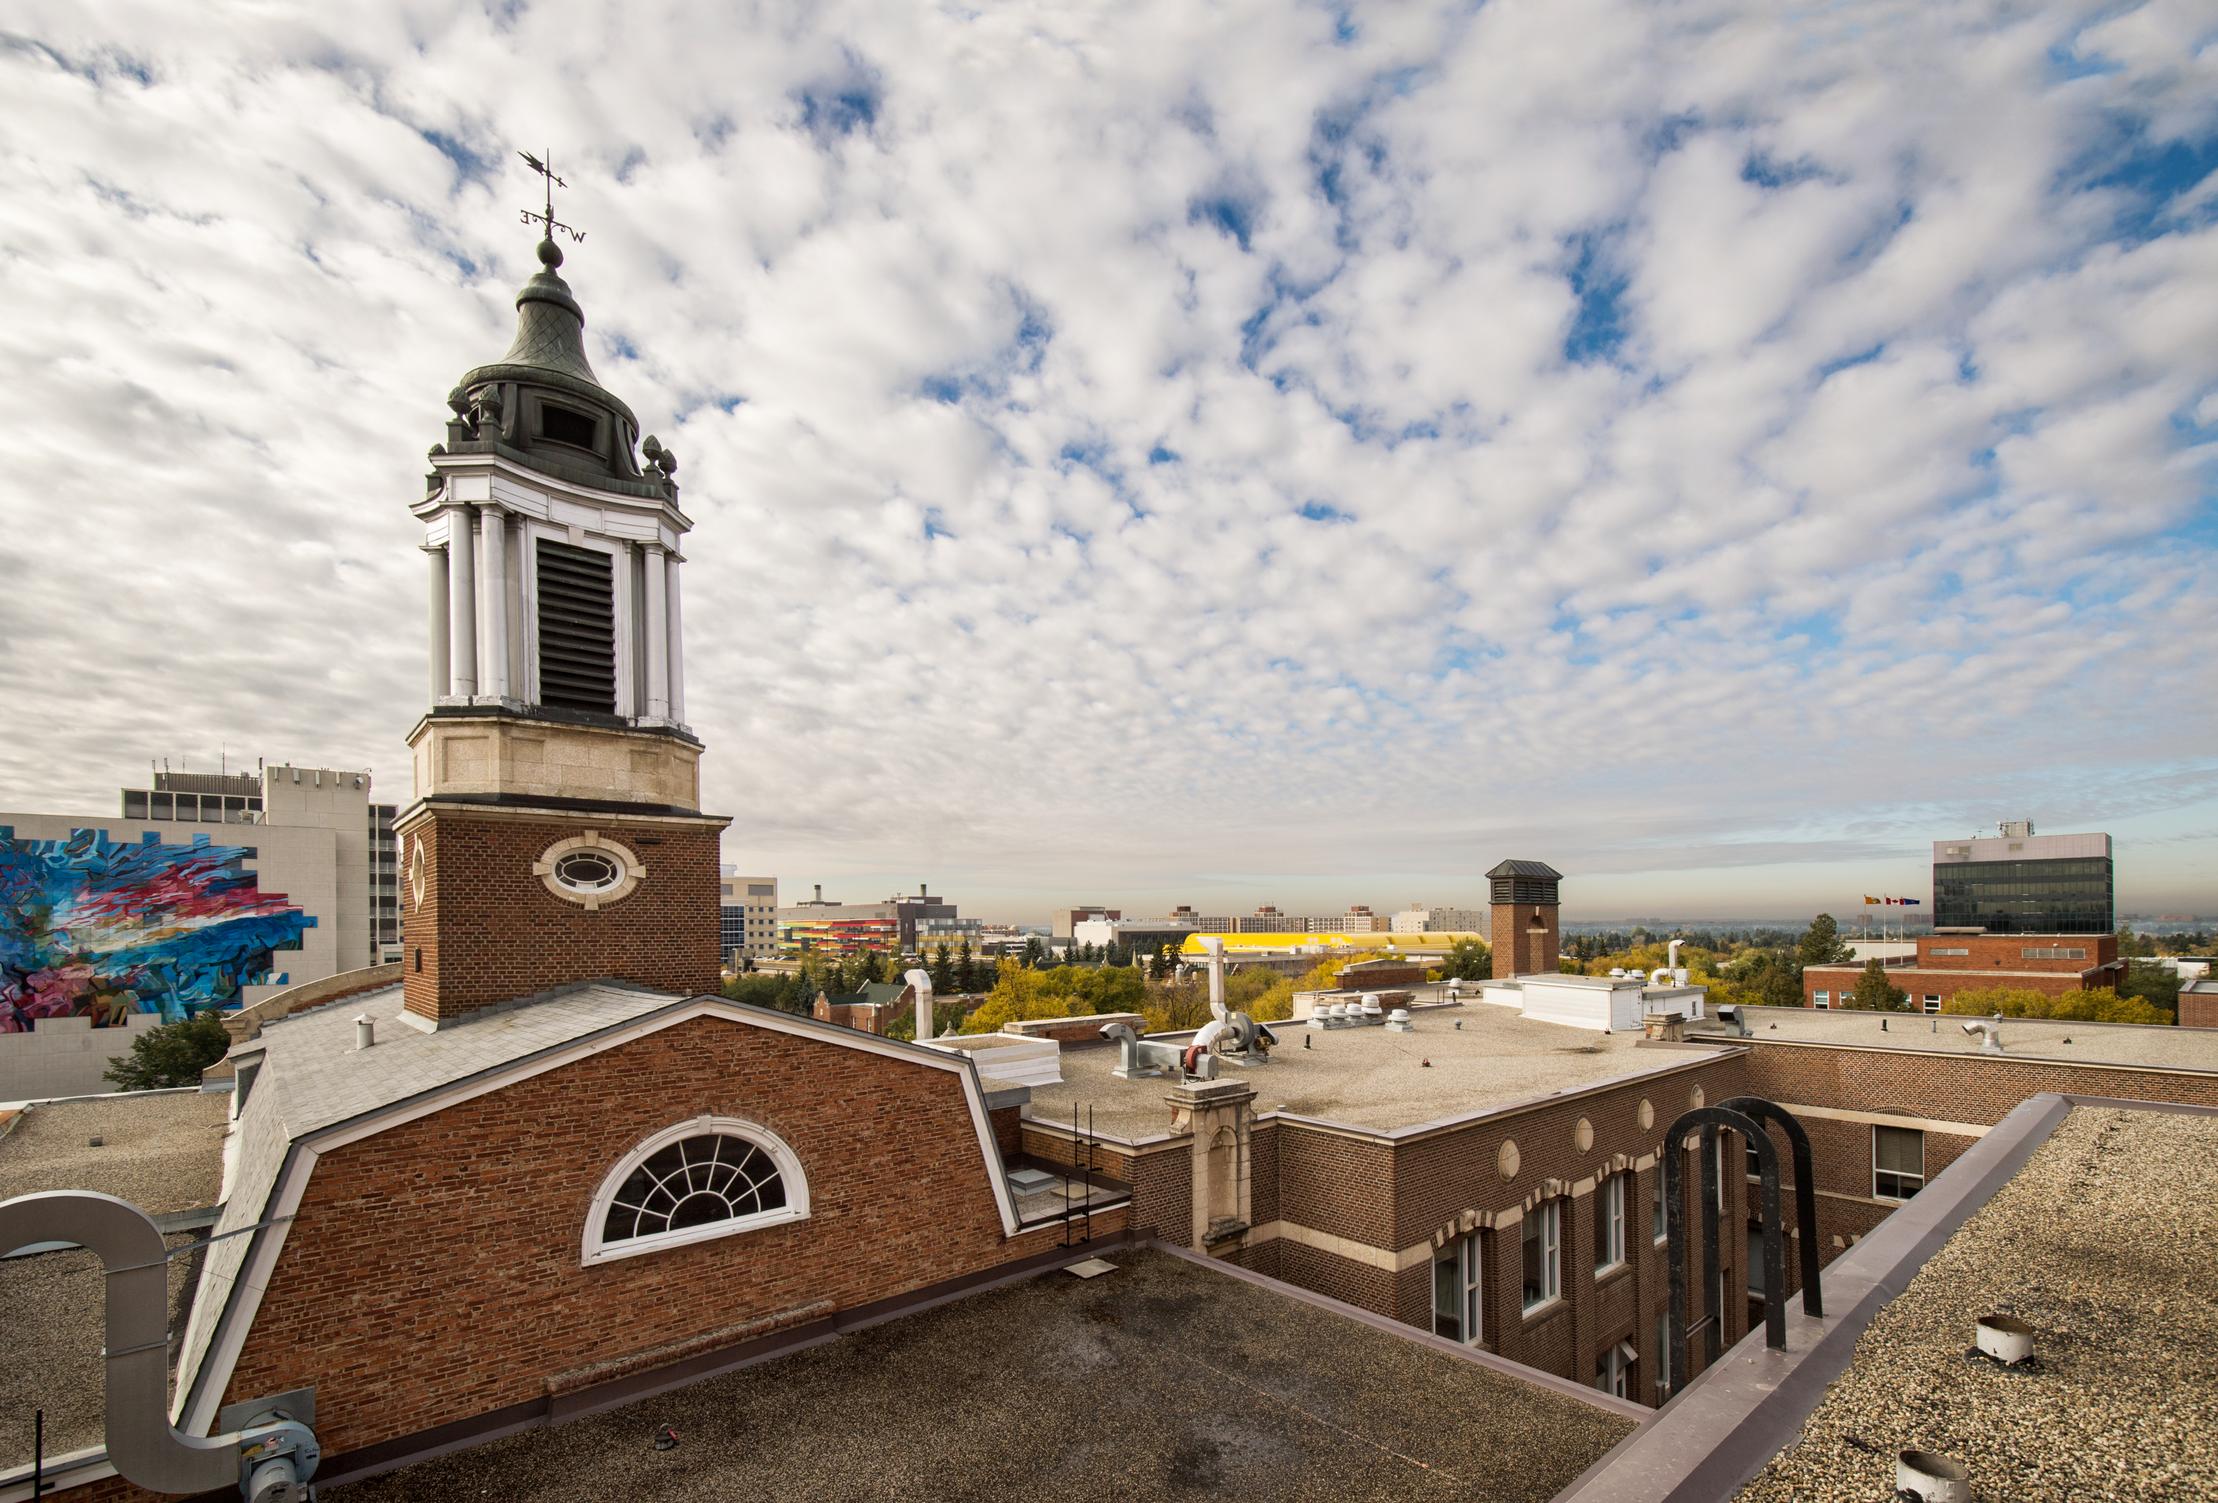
[{"x": 577, "y": 629}]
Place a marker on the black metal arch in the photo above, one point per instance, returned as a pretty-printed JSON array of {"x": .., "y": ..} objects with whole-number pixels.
[
  {"x": 1805, "y": 1189},
  {"x": 1709, "y": 1119}
]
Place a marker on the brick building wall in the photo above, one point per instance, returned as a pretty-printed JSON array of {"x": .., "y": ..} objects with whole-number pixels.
[
  {"x": 433, "y": 1272},
  {"x": 1839, "y": 981},
  {"x": 2198, "y": 1009},
  {"x": 489, "y": 931},
  {"x": 1930, "y": 1092}
]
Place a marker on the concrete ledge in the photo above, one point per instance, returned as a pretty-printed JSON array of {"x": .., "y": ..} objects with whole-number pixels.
[
  {"x": 247, "y": 1022},
  {"x": 1720, "y": 1430}
]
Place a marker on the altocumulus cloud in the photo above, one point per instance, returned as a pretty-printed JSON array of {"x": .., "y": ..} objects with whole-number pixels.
[{"x": 1134, "y": 442}]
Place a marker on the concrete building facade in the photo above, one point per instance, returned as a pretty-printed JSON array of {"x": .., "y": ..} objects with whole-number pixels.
[{"x": 748, "y": 918}]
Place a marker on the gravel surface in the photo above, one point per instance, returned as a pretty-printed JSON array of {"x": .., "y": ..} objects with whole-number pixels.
[
  {"x": 54, "y": 1339},
  {"x": 2103, "y": 1243},
  {"x": 1368, "y": 1077},
  {"x": 1160, "y": 1380},
  {"x": 162, "y": 1151}
]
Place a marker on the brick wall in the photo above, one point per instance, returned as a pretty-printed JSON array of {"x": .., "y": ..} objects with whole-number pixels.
[
  {"x": 1517, "y": 950},
  {"x": 2198, "y": 1009},
  {"x": 433, "y": 1272},
  {"x": 489, "y": 931}
]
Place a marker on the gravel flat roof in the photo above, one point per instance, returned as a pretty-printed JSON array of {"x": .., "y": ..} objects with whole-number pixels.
[
  {"x": 2034, "y": 1038},
  {"x": 1372, "y": 1078},
  {"x": 1162, "y": 1379},
  {"x": 2102, "y": 1243},
  {"x": 162, "y": 1151}
]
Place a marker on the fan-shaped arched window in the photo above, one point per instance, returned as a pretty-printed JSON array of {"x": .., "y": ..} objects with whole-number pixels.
[{"x": 710, "y": 1177}]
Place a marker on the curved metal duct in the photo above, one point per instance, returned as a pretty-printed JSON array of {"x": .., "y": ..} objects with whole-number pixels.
[{"x": 268, "y": 1463}]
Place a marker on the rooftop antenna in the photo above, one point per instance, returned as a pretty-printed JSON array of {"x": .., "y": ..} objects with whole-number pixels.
[{"x": 546, "y": 217}]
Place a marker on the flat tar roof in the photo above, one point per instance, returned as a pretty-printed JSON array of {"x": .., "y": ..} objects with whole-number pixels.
[
  {"x": 1370, "y": 1077},
  {"x": 1162, "y": 1379},
  {"x": 2034, "y": 1038},
  {"x": 2101, "y": 1243}
]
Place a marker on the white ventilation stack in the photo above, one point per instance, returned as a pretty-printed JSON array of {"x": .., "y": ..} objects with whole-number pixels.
[
  {"x": 1932, "y": 1478},
  {"x": 921, "y": 983}
]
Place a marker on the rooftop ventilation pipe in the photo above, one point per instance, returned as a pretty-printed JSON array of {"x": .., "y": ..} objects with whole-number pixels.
[
  {"x": 365, "y": 1032},
  {"x": 921, "y": 983},
  {"x": 269, "y": 1460},
  {"x": 1932, "y": 1478},
  {"x": 1988, "y": 1034},
  {"x": 2004, "y": 1339}
]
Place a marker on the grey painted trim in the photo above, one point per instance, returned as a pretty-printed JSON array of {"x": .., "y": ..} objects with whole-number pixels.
[
  {"x": 1751, "y": 1403},
  {"x": 1609, "y": 1403}
]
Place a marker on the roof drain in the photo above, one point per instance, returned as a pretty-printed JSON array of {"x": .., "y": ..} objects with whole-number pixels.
[{"x": 1928, "y": 1477}]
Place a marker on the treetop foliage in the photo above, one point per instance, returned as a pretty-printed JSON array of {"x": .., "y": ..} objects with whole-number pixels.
[{"x": 171, "y": 1054}]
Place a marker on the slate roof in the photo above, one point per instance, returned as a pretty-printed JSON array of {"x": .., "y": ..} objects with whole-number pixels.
[{"x": 1539, "y": 869}]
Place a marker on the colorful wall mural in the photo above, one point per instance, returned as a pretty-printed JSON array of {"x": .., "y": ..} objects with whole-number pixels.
[{"x": 93, "y": 928}]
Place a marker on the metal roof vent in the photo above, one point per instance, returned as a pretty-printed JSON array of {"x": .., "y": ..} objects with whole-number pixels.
[
  {"x": 1989, "y": 1035},
  {"x": 1928, "y": 1477},
  {"x": 2003, "y": 1340},
  {"x": 365, "y": 1032},
  {"x": 1397, "y": 1021}
]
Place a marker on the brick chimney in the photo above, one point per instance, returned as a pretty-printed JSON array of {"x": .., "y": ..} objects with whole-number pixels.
[{"x": 1526, "y": 932}]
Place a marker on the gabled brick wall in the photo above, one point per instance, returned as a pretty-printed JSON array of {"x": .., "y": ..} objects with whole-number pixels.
[{"x": 433, "y": 1272}]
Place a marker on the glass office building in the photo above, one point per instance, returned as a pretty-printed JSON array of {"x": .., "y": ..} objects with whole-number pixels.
[{"x": 2023, "y": 883}]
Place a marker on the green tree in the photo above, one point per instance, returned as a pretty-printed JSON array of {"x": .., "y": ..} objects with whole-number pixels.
[
  {"x": 1035, "y": 953},
  {"x": 171, "y": 1054},
  {"x": 966, "y": 968},
  {"x": 1875, "y": 993},
  {"x": 1821, "y": 944},
  {"x": 2103, "y": 1006},
  {"x": 943, "y": 970},
  {"x": 1468, "y": 960},
  {"x": 2154, "y": 984}
]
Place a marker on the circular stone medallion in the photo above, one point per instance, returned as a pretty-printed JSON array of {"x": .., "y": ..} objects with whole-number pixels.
[{"x": 1507, "y": 1160}]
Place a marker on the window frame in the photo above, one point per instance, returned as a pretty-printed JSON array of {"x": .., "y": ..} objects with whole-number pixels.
[
  {"x": 1822, "y": 999},
  {"x": 1549, "y": 1216},
  {"x": 1898, "y": 1175},
  {"x": 1659, "y": 1225},
  {"x": 1469, "y": 1264},
  {"x": 596, "y": 1248},
  {"x": 1609, "y": 1224}
]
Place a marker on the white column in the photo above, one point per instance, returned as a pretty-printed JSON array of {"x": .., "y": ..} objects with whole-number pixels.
[
  {"x": 657, "y": 628},
  {"x": 438, "y": 560},
  {"x": 461, "y": 605},
  {"x": 493, "y": 598},
  {"x": 677, "y": 646}
]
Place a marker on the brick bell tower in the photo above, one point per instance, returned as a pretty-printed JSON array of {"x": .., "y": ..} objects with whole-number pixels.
[
  {"x": 1527, "y": 935},
  {"x": 556, "y": 834}
]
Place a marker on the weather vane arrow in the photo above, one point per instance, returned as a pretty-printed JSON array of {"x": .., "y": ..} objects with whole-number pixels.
[{"x": 546, "y": 216}]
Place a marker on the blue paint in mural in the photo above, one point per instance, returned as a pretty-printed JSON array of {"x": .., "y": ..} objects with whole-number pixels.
[{"x": 93, "y": 928}]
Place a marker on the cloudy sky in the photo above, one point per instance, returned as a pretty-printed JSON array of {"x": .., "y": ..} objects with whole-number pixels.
[{"x": 1182, "y": 451}]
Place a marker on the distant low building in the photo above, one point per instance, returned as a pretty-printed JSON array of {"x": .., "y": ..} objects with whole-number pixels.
[{"x": 1950, "y": 961}]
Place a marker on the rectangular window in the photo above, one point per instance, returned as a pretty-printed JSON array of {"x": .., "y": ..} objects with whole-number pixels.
[
  {"x": 2055, "y": 952},
  {"x": 1756, "y": 1262},
  {"x": 1543, "y": 1254},
  {"x": 1821, "y": 999},
  {"x": 1897, "y": 1162},
  {"x": 1753, "y": 1165},
  {"x": 1609, "y": 1223},
  {"x": 134, "y": 805},
  {"x": 1661, "y": 1367},
  {"x": 577, "y": 629},
  {"x": 1456, "y": 1299},
  {"x": 1932, "y": 1002},
  {"x": 164, "y": 807},
  {"x": 1656, "y": 1225},
  {"x": 1949, "y": 950},
  {"x": 1613, "y": 1370}
]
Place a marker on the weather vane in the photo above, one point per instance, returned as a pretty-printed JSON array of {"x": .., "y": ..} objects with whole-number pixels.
[{"x": 546, "y": 217}]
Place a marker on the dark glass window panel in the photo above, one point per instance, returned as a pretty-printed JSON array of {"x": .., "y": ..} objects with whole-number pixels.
[{"x": 567, "y": 427}]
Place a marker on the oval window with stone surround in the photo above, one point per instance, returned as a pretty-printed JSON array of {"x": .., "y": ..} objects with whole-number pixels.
[
  {"x": 589, "y": 870},
  {"x": 712, "y": 1177}
]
